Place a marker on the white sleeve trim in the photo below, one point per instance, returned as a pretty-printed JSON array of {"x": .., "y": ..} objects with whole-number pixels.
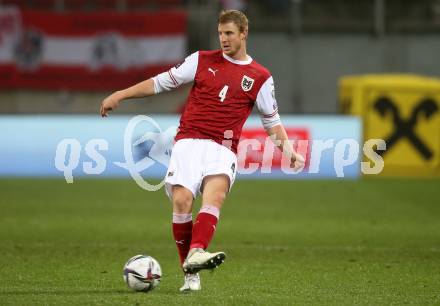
[
  {"x": 271, "y": 123},
  {"x": 178, "y": 75},
  {"x": 267, "y": 104}
]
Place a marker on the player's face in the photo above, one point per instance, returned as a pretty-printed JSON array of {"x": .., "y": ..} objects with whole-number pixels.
[{"x": 231, "y": 39}]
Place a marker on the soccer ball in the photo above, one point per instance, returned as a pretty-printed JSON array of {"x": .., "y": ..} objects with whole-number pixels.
[{"x": 142, "y": 273}]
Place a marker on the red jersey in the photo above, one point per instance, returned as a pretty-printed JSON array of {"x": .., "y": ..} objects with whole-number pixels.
[{"x": 222, "y": 96}]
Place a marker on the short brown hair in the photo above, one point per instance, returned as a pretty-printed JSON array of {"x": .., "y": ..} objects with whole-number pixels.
[{"x": 237, "y": 17}]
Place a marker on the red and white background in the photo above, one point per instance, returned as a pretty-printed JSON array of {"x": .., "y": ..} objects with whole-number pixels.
[
  {"x": 265, "y": 154},
  {"x": 87, "y": 51}
]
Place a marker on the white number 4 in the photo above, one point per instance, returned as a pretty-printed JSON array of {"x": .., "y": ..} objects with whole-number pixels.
[{"x": 222, "y": 94}]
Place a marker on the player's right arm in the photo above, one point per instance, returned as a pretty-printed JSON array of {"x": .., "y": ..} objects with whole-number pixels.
[
  {"x": 178, "y": 75},
  {"x": 142, "y": 89}
]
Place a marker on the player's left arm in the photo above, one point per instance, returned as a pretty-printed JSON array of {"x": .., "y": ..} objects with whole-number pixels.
[
  {"x": 279, "y": 137},
  {"x": 271, "y": 120}
]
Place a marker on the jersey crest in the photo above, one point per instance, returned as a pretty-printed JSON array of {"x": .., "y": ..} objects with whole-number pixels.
[{"x": 247, "y": 83}]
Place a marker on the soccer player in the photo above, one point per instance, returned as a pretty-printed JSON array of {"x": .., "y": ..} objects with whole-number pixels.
[{"x": 227, "y": 83}]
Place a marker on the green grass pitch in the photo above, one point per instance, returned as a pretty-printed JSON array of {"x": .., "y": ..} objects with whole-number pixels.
[{"x": 372, "y": 242}]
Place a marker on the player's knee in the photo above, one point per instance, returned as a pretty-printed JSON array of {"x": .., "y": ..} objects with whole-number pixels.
[
  {"x": 217, "y": 198},
  {"x": 182, "y": 203}
]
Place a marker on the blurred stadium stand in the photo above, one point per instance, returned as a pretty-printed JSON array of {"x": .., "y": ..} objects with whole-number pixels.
[
  {"x": 276, "y": 15},
  {"x": 88, "y": 5},
  {"x": 345, "y": 15},
  {"x": 315, "y": 42}
]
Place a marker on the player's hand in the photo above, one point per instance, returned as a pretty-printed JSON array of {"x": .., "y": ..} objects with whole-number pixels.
[
  {"x": 110, "y": 103},
  {"x": 297, "y": 162}
]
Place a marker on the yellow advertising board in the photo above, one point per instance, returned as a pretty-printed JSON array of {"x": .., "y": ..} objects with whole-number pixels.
[{"x": 403, "y": 110}]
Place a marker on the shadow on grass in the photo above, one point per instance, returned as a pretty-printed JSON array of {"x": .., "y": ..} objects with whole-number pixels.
[
  {"x": 66, "y": 292},
  {"x": 158, "y": 291}
]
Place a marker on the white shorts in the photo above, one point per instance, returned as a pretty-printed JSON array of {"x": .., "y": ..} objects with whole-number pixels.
[{"x": 194, "y": 159}]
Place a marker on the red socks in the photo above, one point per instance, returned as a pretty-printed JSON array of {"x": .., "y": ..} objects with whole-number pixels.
[
  {"x": 182, "y": 232},
  {"x": 204, "y": 227},
  {"x": 199, "y": 235}
]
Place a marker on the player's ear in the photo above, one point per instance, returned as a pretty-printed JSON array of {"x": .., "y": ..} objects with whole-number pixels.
[{"x": 244, "y": 34}]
